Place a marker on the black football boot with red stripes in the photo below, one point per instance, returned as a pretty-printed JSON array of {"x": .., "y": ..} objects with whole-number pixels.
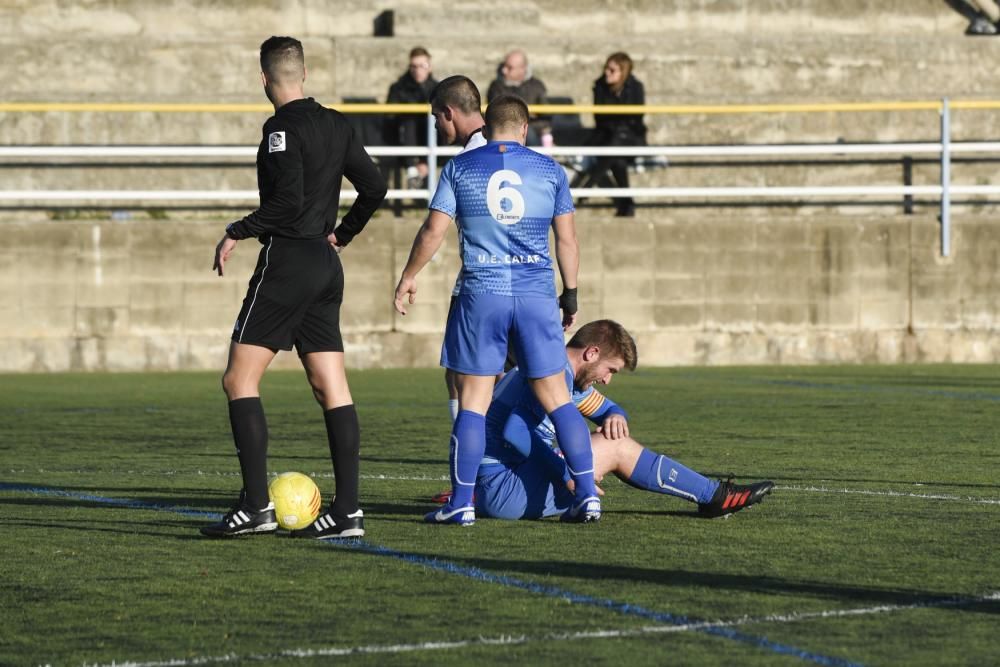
[{"x": 730, "y": 497}]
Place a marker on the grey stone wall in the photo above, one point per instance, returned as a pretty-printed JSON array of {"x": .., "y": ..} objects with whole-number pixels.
[{"x": 713, "y": 288}]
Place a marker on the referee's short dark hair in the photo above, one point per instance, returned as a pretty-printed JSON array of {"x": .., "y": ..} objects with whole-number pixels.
[
  {"x": 282, "y": 58},
  {"x": 459, "y": 92},
  {"x": 506, "y": 111}
]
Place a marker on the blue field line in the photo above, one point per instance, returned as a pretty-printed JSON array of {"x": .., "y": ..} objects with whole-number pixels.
[
  {"x": 578, "y": 598},
  {"x": 104, "y": 500},
  {"x": 477, "y": 575}
]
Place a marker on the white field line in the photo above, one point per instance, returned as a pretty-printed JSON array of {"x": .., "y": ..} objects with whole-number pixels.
[
  {"x": 891, "y": 494},
  {"x": 445, "y": 478},
  {"x": 553, "y": 637}
]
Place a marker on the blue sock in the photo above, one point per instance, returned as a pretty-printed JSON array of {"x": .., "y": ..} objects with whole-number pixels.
[
  {"x": 468, "y": 444},
  {"x": 574, "y": 441},
  {"x": 655, "y": 472}
]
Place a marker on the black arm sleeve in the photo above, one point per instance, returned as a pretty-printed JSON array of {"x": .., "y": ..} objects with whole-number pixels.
[
  {"x": 368, "y": 181},
  {"x": 282, "y": 196}
]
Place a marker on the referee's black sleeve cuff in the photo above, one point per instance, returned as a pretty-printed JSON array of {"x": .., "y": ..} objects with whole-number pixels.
[{"x": 234, "y": 232}]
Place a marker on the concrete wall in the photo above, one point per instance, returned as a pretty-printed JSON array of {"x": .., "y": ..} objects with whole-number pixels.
[{"x": 707, "y": 289}]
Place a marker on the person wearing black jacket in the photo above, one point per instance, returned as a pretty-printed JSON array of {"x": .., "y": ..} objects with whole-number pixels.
[
  {"x": 617, "y": 86},
  {"x": 413, "y": 87},
  {"x": 295, "y": 292}
]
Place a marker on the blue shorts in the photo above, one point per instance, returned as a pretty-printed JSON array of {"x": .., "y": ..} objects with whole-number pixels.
[
  {"x": 522, "y": 491},
  {"x": 475, "y": 339}
]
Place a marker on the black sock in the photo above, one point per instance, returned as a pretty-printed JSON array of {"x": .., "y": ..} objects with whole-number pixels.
[
  {"x": 246, "y": 416},
  {"x": 345, "y": 438}
]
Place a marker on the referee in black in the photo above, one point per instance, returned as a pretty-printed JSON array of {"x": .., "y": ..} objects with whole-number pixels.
[{"x": 296, "y": 290}]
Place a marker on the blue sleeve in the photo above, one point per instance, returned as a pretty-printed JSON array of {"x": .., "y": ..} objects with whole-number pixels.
[
  {"x": 517, "y": 433},
  {"x": 564, "y": 200},
  {"x": 444, "y": 197},
  {"x": 524, "y": 438}
]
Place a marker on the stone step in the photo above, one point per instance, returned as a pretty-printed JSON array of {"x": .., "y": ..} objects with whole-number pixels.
[{"x": 428, "y": 19}]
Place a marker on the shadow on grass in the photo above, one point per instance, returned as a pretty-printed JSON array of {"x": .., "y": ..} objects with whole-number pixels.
[{"x": 712, "y": 581}]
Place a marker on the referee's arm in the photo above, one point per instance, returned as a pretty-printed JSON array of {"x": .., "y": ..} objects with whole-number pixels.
[
  {"x": 286, "y": 196},
  {"x": 368, "y": 181}
]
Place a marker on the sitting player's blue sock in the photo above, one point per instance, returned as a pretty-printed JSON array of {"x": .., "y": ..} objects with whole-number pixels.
[
  {"x": 574, "y": 441},
  {"x": 655, "y": 472},
  {"x": 468, "y": 443}
]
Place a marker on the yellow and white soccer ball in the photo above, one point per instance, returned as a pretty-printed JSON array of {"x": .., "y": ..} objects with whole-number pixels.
[{"x": 296, "y": 500}]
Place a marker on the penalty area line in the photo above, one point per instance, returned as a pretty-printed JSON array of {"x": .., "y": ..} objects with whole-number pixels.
[{"x": 502, "y": 640}]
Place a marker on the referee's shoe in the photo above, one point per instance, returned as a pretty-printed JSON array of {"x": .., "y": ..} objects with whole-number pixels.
[
  {"x": 244, "y": 520},
  {"x": 329, "y": 526}
]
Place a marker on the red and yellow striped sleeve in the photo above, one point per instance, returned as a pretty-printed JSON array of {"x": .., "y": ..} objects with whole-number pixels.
[{"x": 591, "y": 403}]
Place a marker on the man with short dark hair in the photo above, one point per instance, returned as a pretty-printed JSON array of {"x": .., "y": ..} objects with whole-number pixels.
[
  {"x": 414, "y": 87},
  {"x": 523, "y": 476},
  {"x": 505, "y": 198},
  {"x": 456, "y": 106},
  {"x": 295, "y": 293}
]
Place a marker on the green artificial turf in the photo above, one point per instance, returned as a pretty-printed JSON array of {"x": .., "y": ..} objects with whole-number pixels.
[{"x": 878, "y": 547}]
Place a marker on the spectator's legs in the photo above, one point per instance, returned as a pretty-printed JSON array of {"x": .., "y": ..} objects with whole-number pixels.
[{"x": 624, "y": 206}]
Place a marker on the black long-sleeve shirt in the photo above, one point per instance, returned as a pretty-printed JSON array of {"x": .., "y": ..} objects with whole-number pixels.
[{"x": 305, "y": 153}]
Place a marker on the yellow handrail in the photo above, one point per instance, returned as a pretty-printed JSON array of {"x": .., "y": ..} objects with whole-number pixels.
[{"x": 653, "y": 109}]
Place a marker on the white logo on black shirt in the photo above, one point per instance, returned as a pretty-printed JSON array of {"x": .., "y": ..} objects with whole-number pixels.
[{"x": 275, "y": 142}]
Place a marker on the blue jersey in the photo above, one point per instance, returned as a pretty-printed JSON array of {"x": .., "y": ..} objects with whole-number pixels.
[
  {"x": 503, "y": 197},
  {"x": 517, "y": 426}
]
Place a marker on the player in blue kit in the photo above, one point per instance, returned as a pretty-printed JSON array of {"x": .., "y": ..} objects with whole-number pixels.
[
  {"x": 505, "y": 198},
  {"x": 522, "y": 475}
]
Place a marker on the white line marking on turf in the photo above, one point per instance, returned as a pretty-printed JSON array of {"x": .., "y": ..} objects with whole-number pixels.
[
  {"x": 445, "y": 478},
  {"x": 891, "y": 494},
  {"x": 524, "y": 639}
]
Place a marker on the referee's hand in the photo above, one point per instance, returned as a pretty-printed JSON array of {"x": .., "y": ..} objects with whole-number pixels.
[
  {"x": 222, "y": 252},
  {"x": 331, "y": 238},
  {"x": 406, "y": 290}
]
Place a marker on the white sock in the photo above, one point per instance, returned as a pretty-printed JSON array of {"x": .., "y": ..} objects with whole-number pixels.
[{"x": 453, "y": 409}]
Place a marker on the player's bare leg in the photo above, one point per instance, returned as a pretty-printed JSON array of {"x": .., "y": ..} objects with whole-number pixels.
[
  {"x": 451, "y": 384},
  {"x": 574, "y": 440},
  {"x": 328, "y": 378}
]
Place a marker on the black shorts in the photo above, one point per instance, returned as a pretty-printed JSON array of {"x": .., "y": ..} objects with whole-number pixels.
[{"x": 294, "y": 298}]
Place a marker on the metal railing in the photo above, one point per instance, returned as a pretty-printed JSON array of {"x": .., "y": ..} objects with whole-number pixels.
[{"x": 944, "y": 149}]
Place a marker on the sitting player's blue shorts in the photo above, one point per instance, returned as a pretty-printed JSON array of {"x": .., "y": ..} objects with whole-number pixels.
[
  {"x": 519, "y": 491},
  {"x": 475, "y": 340}
]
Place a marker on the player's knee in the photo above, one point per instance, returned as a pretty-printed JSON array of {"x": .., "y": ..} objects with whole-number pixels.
[{"x": 236, "y": 388}]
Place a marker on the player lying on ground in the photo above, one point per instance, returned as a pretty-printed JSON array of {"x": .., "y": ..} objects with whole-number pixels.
[{"x": 522, "y": 475}]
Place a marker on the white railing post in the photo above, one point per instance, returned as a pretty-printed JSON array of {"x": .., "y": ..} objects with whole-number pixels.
[
  {"x": 431, "y": 155},
  {"x": 945, "y": 179}
]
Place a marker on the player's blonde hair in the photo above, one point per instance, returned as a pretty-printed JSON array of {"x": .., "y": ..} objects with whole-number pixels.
[{"x": 611, "y": 338}]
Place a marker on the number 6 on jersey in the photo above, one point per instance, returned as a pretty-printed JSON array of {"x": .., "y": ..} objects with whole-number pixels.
[{"x": 497, "y": 192}]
